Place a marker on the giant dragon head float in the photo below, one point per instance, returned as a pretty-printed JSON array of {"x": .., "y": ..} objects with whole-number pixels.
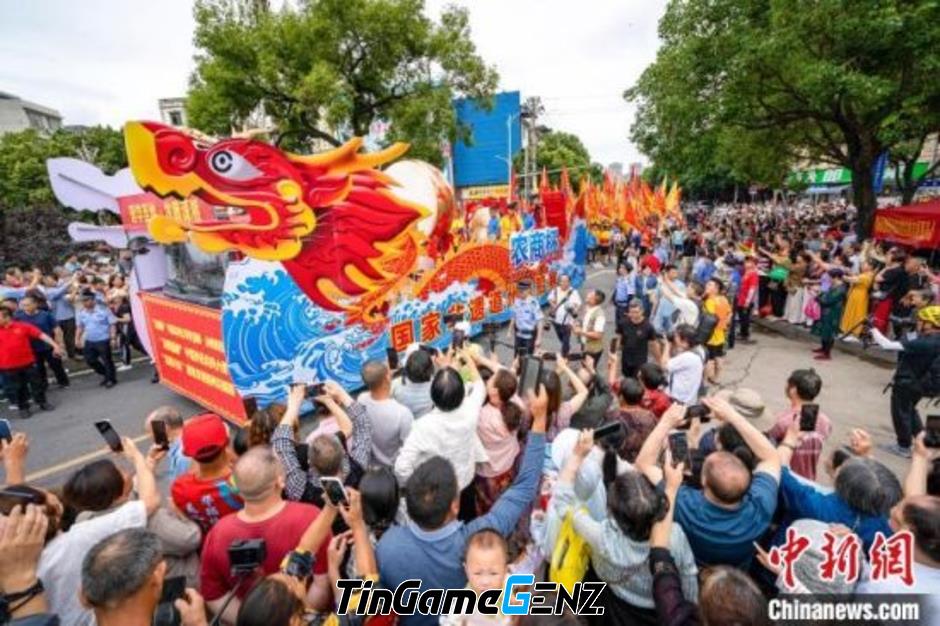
[{"x": 331, "y": 219}]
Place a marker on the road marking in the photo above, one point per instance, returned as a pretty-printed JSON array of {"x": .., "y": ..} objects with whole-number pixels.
[{"x": 91, "y": 456}]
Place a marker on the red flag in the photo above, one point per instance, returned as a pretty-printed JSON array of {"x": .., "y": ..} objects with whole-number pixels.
[
  {"x": 512, "y": 185},
  {"x": 543, "y": 183}
]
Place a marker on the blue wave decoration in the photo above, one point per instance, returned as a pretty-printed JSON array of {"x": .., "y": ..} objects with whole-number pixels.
[{"x": 274, "y": 335}]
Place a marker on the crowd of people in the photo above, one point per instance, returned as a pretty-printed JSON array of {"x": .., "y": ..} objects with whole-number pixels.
[
  {"x": 79, "y": 311},
  {"x": 625, "y": 463}
]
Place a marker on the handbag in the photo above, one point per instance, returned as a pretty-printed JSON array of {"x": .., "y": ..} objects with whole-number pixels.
[
  {"x": 570, "y": 557},
  {"x": 812, "y": 310}
]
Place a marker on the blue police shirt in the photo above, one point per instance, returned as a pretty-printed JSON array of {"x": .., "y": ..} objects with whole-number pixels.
[
  {"x": 97, "y": 323},
  {"x": 62, "y": 309},
  {"x": 526, "y": 314},
  {"x": 42, "y": 320}
]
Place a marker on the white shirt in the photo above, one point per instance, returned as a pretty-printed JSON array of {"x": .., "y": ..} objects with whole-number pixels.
[
  {"x": 926, "y": 581},
  {"x": 594, "y": 320},
  {"x": 563, "y": 311},
  {"x": 60, "y": 564},
  {"x": 452, "y": 435},
  {"x": 684, "y": 373},
  {"x": 688, "y": 311},
  {"x": 391, "y": 423}
]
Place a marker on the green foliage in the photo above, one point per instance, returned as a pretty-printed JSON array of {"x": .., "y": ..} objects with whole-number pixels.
[
  {"x": 32, "y": 224},
  {"x": 326, "y": 69},
  {"x": 742, "y": 89}
]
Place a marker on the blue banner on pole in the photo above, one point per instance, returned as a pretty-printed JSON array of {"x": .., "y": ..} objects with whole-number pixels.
[{"x": 878, "y": 172}]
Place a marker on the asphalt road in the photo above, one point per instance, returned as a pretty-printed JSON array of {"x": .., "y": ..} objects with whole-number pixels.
[{"x": 852, "y": 397}]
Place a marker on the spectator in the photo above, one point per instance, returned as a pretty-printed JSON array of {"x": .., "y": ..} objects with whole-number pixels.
[
  {"x": 57, "y": 287},
  {"x": 808, "y": 568},
  {"x": 177, "y": 462},
  {"x": 22, "y": 534},
  {"x": 413, "y": 389},
  {"x": 560, "y": 412},
  {"x": 803, "y": 386},
  {"x": 100, "y": 488},
  {"x": 282, "y": 525},
  {"x": 96, "y": 331},
  {"x": 716, "y": 304},
  {"x": 498, "y": 430},
  {"x": 31, "y": 314},
  {"x": 486, "y": 564},
  {"x": 206, "y": 494},
  {"x": 684, "y": 362},
  {"x": 391, "y": 420},
  {"x": 665, "y": 312},
  {"x": 653, "y": 379},
  {"x": 328, "y": 455},
  {"x": 733, "y": 509},
  {"x": 18, "y": 364},
  {"x": 619, "y": 544},
  {"x": 381, "y": 498},
  {"x": 61, "y": 560},
  {"x": 450, "y": 430},
  {"x": 431, "y": 546},
  {"x": 747, "y": 298},
  {"x": 262, "y": 424},
  {"x": 638, "y": 422},
  {"x": 122, "y": 579}
]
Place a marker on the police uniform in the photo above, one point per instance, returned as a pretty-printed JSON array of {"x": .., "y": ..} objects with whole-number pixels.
[{"x": 526, "y": 315}]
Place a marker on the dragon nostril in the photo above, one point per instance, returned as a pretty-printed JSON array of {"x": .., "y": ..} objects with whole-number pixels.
[{"x": 178, "y": 154}]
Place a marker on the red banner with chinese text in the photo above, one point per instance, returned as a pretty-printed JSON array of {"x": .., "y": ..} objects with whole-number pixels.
[
  {"x": 137, "y": 210},
  {"x": 189, "y": 354}
]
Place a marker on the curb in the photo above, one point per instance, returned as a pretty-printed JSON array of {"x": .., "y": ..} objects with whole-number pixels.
[{"x": 873, "y": 355}]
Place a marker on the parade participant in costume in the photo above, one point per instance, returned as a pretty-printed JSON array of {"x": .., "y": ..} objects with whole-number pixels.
[{"x": 524, "y": 326}]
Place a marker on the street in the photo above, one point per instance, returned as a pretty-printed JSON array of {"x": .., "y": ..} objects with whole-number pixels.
[{"x": 852, "y": 397}]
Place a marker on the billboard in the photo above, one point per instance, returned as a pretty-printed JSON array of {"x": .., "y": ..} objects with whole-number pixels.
[{"x": 495, "y": 134}]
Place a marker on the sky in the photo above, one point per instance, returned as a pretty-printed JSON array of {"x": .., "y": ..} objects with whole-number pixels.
[{"x": 108, "y": 61}]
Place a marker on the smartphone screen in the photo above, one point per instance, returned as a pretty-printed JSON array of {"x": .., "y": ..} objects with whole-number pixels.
[
  {"x": 679, "y": 446},
  {"x": 159, "y": 434},
  {"x": 932, "y": 434},
  {"x": 392, "y": 355},
  {"x": 549, "y": 356},
  {"x": 173, "y": 589},
  {"x": 575, "y": 357},
  {"x": 808, "y": 415},
  {"x": 314, "y": 390},
  {"x": 607, "y": 430},
  {"x": 335, "y": 490},
  {"x": 457, "y": 339},
  {"x": 5, "y": 432},
  {"x": 531, "y": 373},
  {"x": 110, "y": 435},
  {"x": 614, "y": 344}
]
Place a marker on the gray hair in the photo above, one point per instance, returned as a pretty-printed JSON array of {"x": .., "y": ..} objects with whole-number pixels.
[
  {"x": 255, "y": 473},
  {"x": 868, "y": 486},
  {"x": 118, "y": 566},
  {"x": 806, "y": 569},
  {"x": 168, "y": 414}
]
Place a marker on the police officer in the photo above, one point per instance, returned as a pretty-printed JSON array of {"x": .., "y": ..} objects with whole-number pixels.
[
  {"x": 526, "y": 315},
  {"x": 915, "y": 376}
]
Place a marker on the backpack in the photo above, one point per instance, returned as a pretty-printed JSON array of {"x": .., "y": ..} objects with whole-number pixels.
[{"x": 707, "y": 323}]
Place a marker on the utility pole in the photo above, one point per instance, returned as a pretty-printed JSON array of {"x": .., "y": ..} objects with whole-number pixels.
[{"x": 531, "y": 110}]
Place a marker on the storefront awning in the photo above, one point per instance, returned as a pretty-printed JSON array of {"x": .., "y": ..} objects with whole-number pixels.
[{"x": 824, "y": 190}]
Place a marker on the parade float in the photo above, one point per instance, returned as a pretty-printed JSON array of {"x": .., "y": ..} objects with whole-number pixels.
[{"x": 255, "y": 268}]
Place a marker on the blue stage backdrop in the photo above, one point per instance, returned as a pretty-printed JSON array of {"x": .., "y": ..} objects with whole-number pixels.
[{"x": 483, "y": 162}]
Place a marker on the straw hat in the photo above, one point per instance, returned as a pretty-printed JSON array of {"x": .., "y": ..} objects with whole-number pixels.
[{"x": 749, "y": 404}]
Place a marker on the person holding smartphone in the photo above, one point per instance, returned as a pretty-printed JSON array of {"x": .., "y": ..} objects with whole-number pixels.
[{"x": 803, "y": 386}]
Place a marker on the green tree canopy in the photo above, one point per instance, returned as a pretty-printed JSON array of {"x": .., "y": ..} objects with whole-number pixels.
[
  {"x": 326, "y": 69},
  {"x": 556, "y": 150},
  {"x": 749, "y": 86}
]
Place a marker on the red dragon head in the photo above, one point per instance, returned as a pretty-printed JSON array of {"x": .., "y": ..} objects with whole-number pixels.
[{"x": 331, "y": 218}]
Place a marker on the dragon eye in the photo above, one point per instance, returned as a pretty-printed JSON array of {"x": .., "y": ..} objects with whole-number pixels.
[{"x": 232, "y": 165}]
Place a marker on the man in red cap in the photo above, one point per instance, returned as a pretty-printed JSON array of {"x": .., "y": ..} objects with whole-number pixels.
[{"x": 205, "y": 494}]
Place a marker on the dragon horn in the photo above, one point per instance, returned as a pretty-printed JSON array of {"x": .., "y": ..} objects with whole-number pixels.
[{"x": 346, "y": 159}]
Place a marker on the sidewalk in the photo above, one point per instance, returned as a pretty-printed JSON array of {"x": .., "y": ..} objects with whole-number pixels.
[{"x": 873, "y": 354}]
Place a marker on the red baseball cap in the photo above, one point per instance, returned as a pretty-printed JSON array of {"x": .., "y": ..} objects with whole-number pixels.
[{"x": 204, "y": 436}]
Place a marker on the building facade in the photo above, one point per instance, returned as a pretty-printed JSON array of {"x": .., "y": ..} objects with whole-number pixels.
[{"x": 17, "y": 114}]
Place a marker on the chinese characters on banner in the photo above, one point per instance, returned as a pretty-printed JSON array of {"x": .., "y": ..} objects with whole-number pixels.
[
  {"x": 533, "y": 246},
  {"x": 842, "y": 557},
  {"x": 137, "y": 210},
  {"x": 189, "y": 354}
]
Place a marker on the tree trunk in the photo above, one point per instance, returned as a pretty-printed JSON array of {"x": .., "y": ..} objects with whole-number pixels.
[{"x": 863, "y": 195}]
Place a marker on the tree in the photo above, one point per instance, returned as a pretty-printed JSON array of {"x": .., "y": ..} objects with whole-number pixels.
[
  {"x": 837, "y": 81},
  {"x": 327, "y": 69},
  {"x": 557, "y": 150},
  {"x": 32, "y": 224}
]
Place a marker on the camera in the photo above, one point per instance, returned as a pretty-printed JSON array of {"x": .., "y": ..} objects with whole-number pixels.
[
  {"x": 299, "y": 565},
  {"x": 246, "y": 555}
]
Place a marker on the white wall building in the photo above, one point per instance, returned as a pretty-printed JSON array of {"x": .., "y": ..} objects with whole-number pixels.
[{"x": 17, "y": 114}]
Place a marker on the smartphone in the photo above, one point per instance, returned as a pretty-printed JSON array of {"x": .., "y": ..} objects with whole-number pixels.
[
  {"x": 314, "y": 390},
  {"x": 17, "y": 495},
  {"x": 808, "y": 415},
  {"x": 932, "y": 431},
  {"x": 6, "y": 433},
  {"x": 549, "y": 356},
  {"x": 457, "y": 339},
  {"x": 679, "y": 446},
  {"x": 531, "y": 375},
  {"x": 303, "y": 456},
  {"x": 111, "y": 436},
  {"x": 159, "y": 434},
  {"x": 700, "y": 411},
  {"x": 575, "y": 357},
  {"x": 173, "y": 589},
  {"x": 614, "y": 344},
  {"x": 392, "y": 355},
  {"x": 334, "y": 489},
  {"x": 607, "y": 430}
]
